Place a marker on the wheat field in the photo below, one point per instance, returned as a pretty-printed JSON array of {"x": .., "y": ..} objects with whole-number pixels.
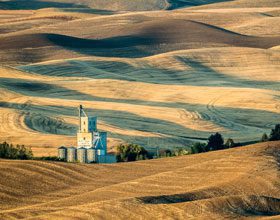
[
  {"x": 161, "y": 73},
  {"x": 228, "y": 184},
  {"x": 155, "y": 72}
]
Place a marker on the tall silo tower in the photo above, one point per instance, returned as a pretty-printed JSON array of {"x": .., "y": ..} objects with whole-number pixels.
[
  {"x": 90, "y": 139},
  {"x": 87, "y": 125}
]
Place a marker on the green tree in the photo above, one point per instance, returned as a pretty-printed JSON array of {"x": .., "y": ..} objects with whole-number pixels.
[
  {"x": 165, "y": 153},
  {"x": 4, "y": 150},
  {"x": 24, "y": 153},
  {"x": 229, "y": 143},
  {"x": 131, "y": 152},
  {"x": 215, "y": 142},
  {"x": 264, "y": 138},
  {"x": 168, "y": 153},
  {"x": 8, "y": 151},
  {"x": 180, "y": 151},
  {"x": 198, "y": 148},
  {"x": 275, "y": 133}
]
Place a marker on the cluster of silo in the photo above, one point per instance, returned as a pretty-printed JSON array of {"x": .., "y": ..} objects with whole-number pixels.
[
  {"x": 68, "y": 154},
  {"x": 82, "y": 155},
  {"x": 86, "y": 155}
]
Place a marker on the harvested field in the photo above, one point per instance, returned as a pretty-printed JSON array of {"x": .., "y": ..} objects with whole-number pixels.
[{"x": 153, "y": 76}]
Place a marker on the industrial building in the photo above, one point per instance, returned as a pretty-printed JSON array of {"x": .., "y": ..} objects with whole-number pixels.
[{"x": 91, "y": 143}]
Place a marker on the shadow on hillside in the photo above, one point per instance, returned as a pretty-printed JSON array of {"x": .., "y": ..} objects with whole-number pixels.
[
  {"x": 110, "y": 43},
  {"x": 40, "y": 89},
  {"x": 249, "y": 205},
  {"x": 49, "y": 124},
  {"x": 120, "y": 46},
  {"x": 174, "y": 135},
  {"x": 198, "y": 75},
  {"x": 184, "y": 197},
  {"x": 233, "y": 203},
  {"x": 89, "y": 11},
  {"x": 159, "y": 37},
  {"x": 175, "y": 4},
  {"x": 153, "y": 41},
  {"x": 235, "y": 119},
  {"x": 35, "y": 4}
]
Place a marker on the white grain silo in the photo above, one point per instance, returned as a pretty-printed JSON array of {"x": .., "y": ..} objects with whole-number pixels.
[
  {"x": 82, "y": 155},
  {"x": 91, "y": 155},
  {"x": 62, "y": 153},
  {"x": 71, "y": 154}
]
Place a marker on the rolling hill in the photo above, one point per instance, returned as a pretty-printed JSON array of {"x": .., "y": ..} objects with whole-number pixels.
[
  {"x": 161, "y": 73},
  {"x": 153, "y": 76},
  {"x": 109, "y": 5},
  {"x": 236, "y": 183}
]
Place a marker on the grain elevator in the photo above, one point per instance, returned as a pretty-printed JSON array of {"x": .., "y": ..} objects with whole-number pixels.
[{"x": 91, "y": 143}]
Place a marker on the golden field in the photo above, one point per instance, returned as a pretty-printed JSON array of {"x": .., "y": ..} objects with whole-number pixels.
[
  {"x": 155, "y": 72},
  {"x": 228, "y": 184}
]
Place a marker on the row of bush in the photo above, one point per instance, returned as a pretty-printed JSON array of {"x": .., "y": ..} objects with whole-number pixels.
[
  {"x": 132, "y": 152},
  {"x": 20, "y": 152},
  {"x": 9, "y": 151},
  {"x": 274, "y": 134}
]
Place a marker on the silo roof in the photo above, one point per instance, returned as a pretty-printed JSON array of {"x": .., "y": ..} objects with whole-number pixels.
[
  {"x": 72, "y": 148},
  {"x": 62, "y": 147}
]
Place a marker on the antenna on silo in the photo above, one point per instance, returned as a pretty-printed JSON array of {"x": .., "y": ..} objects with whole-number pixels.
[
  {"x": 82, "y": 113},
  {"x": 80, "y": 110}
]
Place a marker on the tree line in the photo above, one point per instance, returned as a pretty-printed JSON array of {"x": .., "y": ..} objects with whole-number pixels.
[
  {"x": 9, "y": 151},
  {"x": 274, "y": 134},
  {"x": 133, "y": 152}
]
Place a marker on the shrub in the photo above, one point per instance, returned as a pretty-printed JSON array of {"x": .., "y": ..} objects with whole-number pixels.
[
  {"x": 198, "y": 148},
  {"x": 21, "y": 152},
  {"x": 215, "y": 142},
  {"x": 264, "y": 138},
  {"x": 229, "y": 143},
  {"x": 181, "y": 152},
  {"x": 168, "y": 153},
  {"x": 165, "y": 153},
  {"x": 275, "y": 133},
  {"x": 131, "y": 152}
]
